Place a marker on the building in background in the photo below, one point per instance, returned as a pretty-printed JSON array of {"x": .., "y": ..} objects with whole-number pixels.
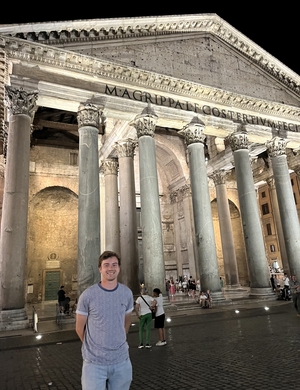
[{"x": 162, "y": 138}]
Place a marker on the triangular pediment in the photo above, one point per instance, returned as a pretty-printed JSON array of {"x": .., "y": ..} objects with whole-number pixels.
[
  {"x": 203, "y": 59},
  {"x": 200, "y": 48}
]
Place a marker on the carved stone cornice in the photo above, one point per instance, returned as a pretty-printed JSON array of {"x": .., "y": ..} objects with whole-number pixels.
[
  {"x": 145, "y": 123},
  {"x": 276, "y": 147},
  {"x": 218, "y": 177},
  {"x": 3, "y": 81},
  {"x": 238, "y": 140},
  {"x": 109, "y": 167},
  {"x": 3, "y": 139},
  {"x": 82, "y": 31},
  {"x": 126, "y": 148},
  {"x": 56, "y": 57},
  {"x": 193, "y": 131},
  {"x": 89, "y": 115},
  {"x": 20, "y": 101},
  {"x": 2, "y": 166}
]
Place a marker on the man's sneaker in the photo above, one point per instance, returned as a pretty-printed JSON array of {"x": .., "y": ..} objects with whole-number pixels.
[
  {"x": 141, "y": 346},
  {"x": 160, "y": 343},
  {"x": 148, "y": 346},
  {"x": 165, "y": 343}
]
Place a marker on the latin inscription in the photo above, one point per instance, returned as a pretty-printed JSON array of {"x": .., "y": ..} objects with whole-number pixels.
[{"x": 160, "y": 100}]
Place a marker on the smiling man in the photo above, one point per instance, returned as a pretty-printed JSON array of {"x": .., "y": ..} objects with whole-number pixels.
[{"x": 103, "y": 318}]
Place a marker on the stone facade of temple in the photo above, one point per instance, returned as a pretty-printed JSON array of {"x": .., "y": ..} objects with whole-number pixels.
[{"x": 171, "y": 140}]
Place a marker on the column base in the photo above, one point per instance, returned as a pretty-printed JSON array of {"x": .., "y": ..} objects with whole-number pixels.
[
  {"x": 218, "y": 296},
  {"x": 13, "y": 319},
  {"x": 261, "y": 292},
  {"x": 236, "y": 292}
]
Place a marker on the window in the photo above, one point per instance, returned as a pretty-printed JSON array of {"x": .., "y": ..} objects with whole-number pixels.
[
  {"x": 269, "y": 229},
  {"x": 272, "y": 248},
  {"x": 263, "y": 194},
  {"x": 73, "y": 159},
  {"x": 265, "y": 208}
]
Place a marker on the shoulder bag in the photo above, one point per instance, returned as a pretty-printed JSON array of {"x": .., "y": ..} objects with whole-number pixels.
[{"x": 153, "y": 310}]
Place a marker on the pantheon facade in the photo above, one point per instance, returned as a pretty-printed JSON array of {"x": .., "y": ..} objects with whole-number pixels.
[{"x": 173, "y": 141}]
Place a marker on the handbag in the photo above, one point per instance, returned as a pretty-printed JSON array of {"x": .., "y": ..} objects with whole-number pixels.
[{"x": 153, "y": 310}]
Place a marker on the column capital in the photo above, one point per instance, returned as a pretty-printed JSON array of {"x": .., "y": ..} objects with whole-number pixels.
[
  {"x": 276, "y": 146},
  {"x": 219, "y": 177},
  {"x": 20, "y": 101},
  {"x": 89, "y": 115},
  {"x": 297, "y": 171},
  {"x": 193, "y": 131},
  {"x": 126, "y": 147},
  {"x": 110, "y": 166},
  {"x": 238, "y": 140},
  {"x": 145, "y": 122},
  {"x": 271, "y": 182}
]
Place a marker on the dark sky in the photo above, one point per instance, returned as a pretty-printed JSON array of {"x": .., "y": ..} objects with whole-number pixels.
[{"x": 274, "y": 29}]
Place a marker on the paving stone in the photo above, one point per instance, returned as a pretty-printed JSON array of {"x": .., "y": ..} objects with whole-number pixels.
[{"x": 220, "y": 350}]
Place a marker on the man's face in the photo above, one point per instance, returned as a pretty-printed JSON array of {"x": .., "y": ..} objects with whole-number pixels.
[{"x": 109, "y": 269}]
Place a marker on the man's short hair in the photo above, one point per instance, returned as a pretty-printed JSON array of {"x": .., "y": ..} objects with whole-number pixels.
[{"x": 106, "y": 255}]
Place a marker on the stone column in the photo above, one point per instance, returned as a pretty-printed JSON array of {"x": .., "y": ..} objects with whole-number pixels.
[
  {"x": 15, "y": 209},
  {"x": 2, "y": 174},
  {"x": 110, "y": 168},
  {"x": 254, "y": 243},
  {"x": 277, "y": 219},
  {"x": 286, "y": 202},
  {"x": 229, "y": 257},
  {"x": 129, "y": 274},
  {"x": 153, "y": 258},
  {"x": 204, "y": 229},
  {"x": 88, "y": 117},
  {"x": 183, "y": 223}
]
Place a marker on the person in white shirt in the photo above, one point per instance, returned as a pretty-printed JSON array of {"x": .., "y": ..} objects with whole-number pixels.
[
  {"x": 144, "y": 313},
  {"x": 286, "y": 287},
  {"x": 159, "y": 321}
]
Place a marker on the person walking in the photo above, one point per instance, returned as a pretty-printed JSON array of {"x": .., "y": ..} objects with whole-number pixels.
[
  {"x": 172, "y": 288},
  {"x": 143, "y": 311},
  {"x": 159, "y": 321},
  {"x": 272, "y": 280},
  {"x": 103, "y": 318}
]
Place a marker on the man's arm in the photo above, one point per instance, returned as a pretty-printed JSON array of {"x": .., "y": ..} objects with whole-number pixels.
[
  {"x": 80, "y": 325},
  {"x": 127, "y": 322},
  {"x": 137, "y": 309}
]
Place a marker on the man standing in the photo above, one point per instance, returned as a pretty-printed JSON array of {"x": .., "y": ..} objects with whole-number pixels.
[
  {"x": 295, "y": 289},
  {"x": 286, "y": 287},
  {"x": 103, "y": 318},
  {"x": 61, "y": 297}
]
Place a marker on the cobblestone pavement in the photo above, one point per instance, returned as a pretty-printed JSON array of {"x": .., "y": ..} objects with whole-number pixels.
[{"x": 207, "y": 349}]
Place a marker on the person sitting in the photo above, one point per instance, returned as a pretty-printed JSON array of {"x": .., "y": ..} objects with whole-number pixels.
[
  {"x": 208, "y": 301},
  {"x": 202, "y": 299}
]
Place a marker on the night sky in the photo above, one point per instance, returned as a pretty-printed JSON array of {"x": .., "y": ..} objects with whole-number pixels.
[{"x": 273, "y": 29}]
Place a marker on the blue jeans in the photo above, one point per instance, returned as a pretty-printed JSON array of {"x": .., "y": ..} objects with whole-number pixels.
[{"x": 110, "y": 377}]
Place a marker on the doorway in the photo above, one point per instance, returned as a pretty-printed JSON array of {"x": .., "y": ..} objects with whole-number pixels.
[{"x": 52, "y": 280}]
